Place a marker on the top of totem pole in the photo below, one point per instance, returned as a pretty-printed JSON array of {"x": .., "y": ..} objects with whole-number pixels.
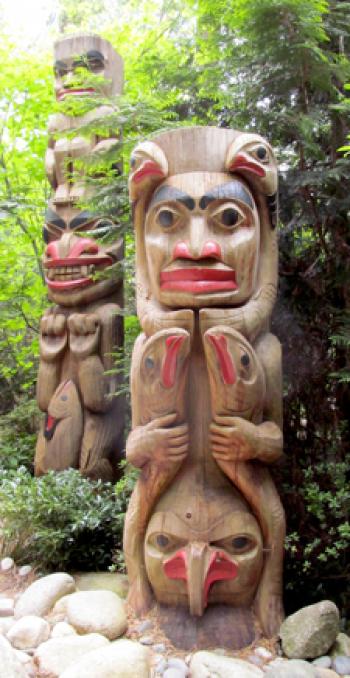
[{"x": 88, "y": 51}]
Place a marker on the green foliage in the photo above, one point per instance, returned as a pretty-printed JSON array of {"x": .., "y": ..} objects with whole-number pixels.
[
  {"x": 61, "y": 520},
  {"x": 18, "y": 433}
]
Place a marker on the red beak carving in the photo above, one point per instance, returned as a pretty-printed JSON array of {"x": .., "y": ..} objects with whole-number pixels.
[
  {"x": 173, "y": 345},
  {"x": 225, "y": 361},
  {"x": 245, "y": 162},
  {"x": 200, "y": 567},
  {"x": 147, "y": 169}
]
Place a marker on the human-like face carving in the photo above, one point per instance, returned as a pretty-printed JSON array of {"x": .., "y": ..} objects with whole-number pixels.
[
  {"x": 198, "y": 564},
  {"x": 76, "y": 255},
  {"x": 202, "y": 240}
]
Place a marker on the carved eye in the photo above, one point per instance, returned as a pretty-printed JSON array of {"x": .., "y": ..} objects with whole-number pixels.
[
  {"x": 166, "y": 218},
  {"x": 241, "y": 544},
  {"x": 165, "y": 543},
  {"x": 228, "y": 216},
  {"x": 261, "y": 153},
  {"x": 245, "y": 360},
  {"x": 149, "y": 362},
  {"x": 162, "y": 541}
]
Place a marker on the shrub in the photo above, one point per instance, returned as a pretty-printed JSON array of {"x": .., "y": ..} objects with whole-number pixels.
[
  {"x": 62, "y": 520},
  {"x": 18, "y": 433}
]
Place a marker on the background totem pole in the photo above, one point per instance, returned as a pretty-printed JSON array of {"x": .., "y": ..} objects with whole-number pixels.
[
  {"x": 205, "y": 527},
  {"x": 83, "y": 423}
]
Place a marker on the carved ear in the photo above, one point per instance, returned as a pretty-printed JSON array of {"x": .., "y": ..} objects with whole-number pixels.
[
  {"x": 148, "y": 167},
  {"x": 252, "y": 156}
]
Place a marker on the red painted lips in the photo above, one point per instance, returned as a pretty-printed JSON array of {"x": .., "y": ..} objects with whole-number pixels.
[{"x": 198, "y": 280}]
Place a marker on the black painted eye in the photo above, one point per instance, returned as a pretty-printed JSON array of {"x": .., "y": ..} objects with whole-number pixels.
[
  {"x": 149, "y": 362},
  {"x": 245, "y": 360},
  {"x": 132, "y": 161},
  {"x": 229, "y": 217},
  {"x": 240, "y": 544},
  {"x": 166, "y": 218},
  {"x": 162, "y": 540},
  {"x": 95, "y": 64},
  {"x": 261, "y": 152}
]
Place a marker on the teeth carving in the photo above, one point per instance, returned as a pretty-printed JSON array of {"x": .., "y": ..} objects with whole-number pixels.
[{"x": 70, "y": 272}]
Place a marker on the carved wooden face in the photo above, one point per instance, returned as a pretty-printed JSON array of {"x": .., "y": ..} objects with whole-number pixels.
[
  {"x": 202, "y": 240},
  {"x": 78, "y": 59},
  {"x": 76, "y": 257},
  {"x": 203, "y": 550}
]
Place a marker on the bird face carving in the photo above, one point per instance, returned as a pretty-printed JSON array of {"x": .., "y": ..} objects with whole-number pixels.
[
  {"x": 202, "y": 240},
  {"x": 198, "y": 555},
  {"x": 252, "y": 157}
]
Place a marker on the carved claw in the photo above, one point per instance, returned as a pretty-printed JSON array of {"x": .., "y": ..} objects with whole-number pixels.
[{"x": 53, "y": 335}]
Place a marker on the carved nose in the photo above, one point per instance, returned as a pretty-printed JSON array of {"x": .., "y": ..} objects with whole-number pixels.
[
  {"x": 69, "y": 246},
  {"x": 210, "y": 250}
]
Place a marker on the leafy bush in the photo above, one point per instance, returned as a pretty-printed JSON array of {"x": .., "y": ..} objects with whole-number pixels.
[
  {"x": 62, "y": 520},
  {"x": 18, "y": 433}
]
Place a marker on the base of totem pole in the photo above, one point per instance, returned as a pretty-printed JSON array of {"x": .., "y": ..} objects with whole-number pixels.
[{"x": 220, "y": 626}]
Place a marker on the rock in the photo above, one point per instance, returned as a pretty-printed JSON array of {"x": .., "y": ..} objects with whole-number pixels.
[
  {"x": 161, "y": 665},
  {"x": 58, "y": 654},
  {"x": 10, "y": 666},
  {"x": 179, "y": 664},
  {"x": 145, "y": 625},
  {"x": 6, "y": 564},
  {"x": 323, "y": 662},
  {"x": 6, "y": 607},
  {"x": 173, "y": 673},
  {"x": 255, "y": 659},
  {"x": 204, "y": 664},
  {"x": 62, "y": 629},
  {"x": 94, "y": 612},
  {"x": 341, "y": 664},
  {"x": 311, "y": 631},
  {"x": 294, "y": 668},
  {"x": 41, "y": 596},
  {"x": 159, "y": 647},
  {"x": 28, "y": 632},
  {"x": 108, "y": 581},
  {"x": 121, "y": 659},
  {"x": 146, "y": 640},
  {"x": 341, "y": 645},
  {"x": 264, "y": 653},
  {"x": 23, "y": 657},
  {"x": 25, "y": 570},
  {"x": 5, "y": 624},
  {"x": 325, "y": 673}
]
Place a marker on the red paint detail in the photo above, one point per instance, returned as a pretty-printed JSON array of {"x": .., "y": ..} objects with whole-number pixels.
[
  {"x": 198, "y": 280},
  {"x": 82, "y": 246},
  {"x": 148, "y": 168},
  {"x": 68, "y": 284},
  {"x": 244, "y": 162},
  {"x": 173, "y": 344},
  {"x": 176, "y": 566},
  {"x": 226, "y": 363},
  {"x": 210, "y": 249},
  {"x": 64, "y": 92},
  {"x": 50, "y": 422},
  {"x": 221, "y": 568},
  {"x": 52, "y": 250}
]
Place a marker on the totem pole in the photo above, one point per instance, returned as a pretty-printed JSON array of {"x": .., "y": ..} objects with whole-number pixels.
[
  {"x": 76, "y": 388},
  {"x": 205, "y": 526}
]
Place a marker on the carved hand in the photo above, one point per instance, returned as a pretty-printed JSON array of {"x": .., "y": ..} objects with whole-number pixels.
[
  {"x": 157, "y": 443},
  {"x": 230, "y": 317},
  {"x": 84, "y": 334},
  {"x": 53, "y": 335},
  {"x": 155, "y": 321},
  {"x": 233, "y": 439}
]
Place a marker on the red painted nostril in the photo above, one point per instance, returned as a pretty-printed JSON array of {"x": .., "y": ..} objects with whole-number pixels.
[
  {"x": 181, "y": 251},
  {"x": 51, "y": 251},
  {"x": 176, "y": 566},
  {"x": 211, "y": 249},
  {"x": 83, "y": 246}
]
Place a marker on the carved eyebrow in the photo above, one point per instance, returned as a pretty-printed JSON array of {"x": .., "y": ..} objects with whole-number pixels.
[
  {"x": 233, "y": 190},
  {"x": 170, "y": 193},
  {"x": 52, "y": 217}
]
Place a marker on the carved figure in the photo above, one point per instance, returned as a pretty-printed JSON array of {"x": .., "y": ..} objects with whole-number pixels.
[
  {"x": 204, "y": 211},
  {"x": 77, "y": 385}
]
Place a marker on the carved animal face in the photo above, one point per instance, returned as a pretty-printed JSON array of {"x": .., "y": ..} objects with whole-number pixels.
[
  {"x": 251, "y": 156},
  {"x": 75, "y": 265},
  {"x": 196, "y": 555},
  {"x": 236, "y": 374},
  {"x": 202, "y": 240},
  {"x": 79, "y": 59}
]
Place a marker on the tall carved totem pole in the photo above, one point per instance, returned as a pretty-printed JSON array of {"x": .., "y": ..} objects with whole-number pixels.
[
  {"x": 205, "y": 526},
  {"x": 83, "y": 423}
]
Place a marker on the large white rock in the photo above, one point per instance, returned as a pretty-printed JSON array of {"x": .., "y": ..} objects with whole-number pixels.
[
  {"x": 57, "y": 654},
  {"x": 6, "y": 623},
  {"x": 295, "y": 668},
  {"x": 28, "y": 632},
  {"x": 208, "y": 665},
  {"x": 94, "y": 612},
  {"x": 10, "y": 666},
  {"x": 6, "y": 607},
  {"x": 63, "y": 629},
  {"x": 121, "y": 659},
  {"x": 310, "y": 632},
  {"x": 40, "y": 597}
]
